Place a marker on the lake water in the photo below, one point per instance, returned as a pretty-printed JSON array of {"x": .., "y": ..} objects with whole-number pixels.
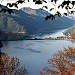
[{"x": 34, "y": 54}]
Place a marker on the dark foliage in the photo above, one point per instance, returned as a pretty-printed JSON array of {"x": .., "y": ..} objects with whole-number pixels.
[
  {"x": 72, "y": 12},
  {"x": 51, "y": 9},
  {"x": 50, "y": 17},
  {"x": 65, "y": 14},
  {"x": 54, "y": 1},
  {"x": 53, "y": 16},
  {"x": 64, "y": 4},
  {"x": 44, "y": 1},
  {"x": 34, "y": 0},
  {"x": 10, "y": 11},
  {"x": 45, "y": 7},
  {"x": 20, "y": 1},
  {"x": 5, "y": 9},
  {"x": 73, "y": 3},
  {"x": 58, "y": 14},
  {"x": 38, "y": 2},
  {"x": 1, "y": 45},
  {"x": 12, "y": 4}
]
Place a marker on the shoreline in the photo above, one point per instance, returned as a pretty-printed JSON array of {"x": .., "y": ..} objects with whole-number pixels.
[{"x": 50, "y": 38}]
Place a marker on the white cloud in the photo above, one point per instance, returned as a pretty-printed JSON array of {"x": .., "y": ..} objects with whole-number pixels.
[{"x": 31, "y": 4}]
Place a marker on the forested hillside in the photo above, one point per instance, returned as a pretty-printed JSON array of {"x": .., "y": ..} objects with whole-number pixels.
[
  {"x": 70, "y": 30},
  {"x": 30, "y": 23},
  {"x": 10, "y": 28}
]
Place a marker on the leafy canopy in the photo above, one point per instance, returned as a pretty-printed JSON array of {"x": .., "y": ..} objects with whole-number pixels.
[{"x": 66, "y": 5}]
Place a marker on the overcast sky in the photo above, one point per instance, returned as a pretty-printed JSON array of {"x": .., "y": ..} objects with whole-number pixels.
[
  {"x": 32, "y": 5},
  {"x": 28, "y": 4}
]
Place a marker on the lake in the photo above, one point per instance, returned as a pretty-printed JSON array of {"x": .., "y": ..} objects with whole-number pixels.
[{"x": 34, "y": 54}]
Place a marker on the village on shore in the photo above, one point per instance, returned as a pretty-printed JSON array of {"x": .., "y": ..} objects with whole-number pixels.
[{"x": 52, "y": 38}]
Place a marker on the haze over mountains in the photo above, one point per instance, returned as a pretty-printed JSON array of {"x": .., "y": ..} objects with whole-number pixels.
[
  {"x": 43, "y": 27},
  {"x": 69, "y": 30},
  {"x": 33, "y": 23}
]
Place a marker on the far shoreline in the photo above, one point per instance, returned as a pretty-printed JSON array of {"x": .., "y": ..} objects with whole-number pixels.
[{"x": 50, "y": 38}]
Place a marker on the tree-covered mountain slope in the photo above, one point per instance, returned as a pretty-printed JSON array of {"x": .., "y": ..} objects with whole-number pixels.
[
  {"x": 10, "y": 29},
  {"x": 32, "y": 22},
  {"x": 70, "y": 30}
]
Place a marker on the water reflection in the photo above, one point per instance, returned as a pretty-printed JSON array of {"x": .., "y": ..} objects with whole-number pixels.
[
  {"x": 29, "y": 49},
  {"x": 33, "y": 61},
  {"x": 10, "y": 65}
]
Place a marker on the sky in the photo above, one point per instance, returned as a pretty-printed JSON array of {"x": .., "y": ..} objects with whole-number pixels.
[
  {"x": 26, "y": 4},
  {"x": 33, "y": 6},
  {"x": 4, "y": 2}
]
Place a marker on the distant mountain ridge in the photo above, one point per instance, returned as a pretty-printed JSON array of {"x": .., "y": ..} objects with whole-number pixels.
[
  {"x": 37, "y": 12},
  {"x": 29, "y": 10},
  {"x": 70, "y": 30},
  {"x": 42, "y": 27},
  {"x": 33, "y": 22}
]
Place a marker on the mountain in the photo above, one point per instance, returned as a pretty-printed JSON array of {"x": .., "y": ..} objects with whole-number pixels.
[
  {"x": 10, "y": 29},
  {"x": 34, "y": 23},
  {"x": 69, "y": 30}
]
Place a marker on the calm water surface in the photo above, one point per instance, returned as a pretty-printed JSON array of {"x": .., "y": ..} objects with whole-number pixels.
[{"x": 34, "y": 54}]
